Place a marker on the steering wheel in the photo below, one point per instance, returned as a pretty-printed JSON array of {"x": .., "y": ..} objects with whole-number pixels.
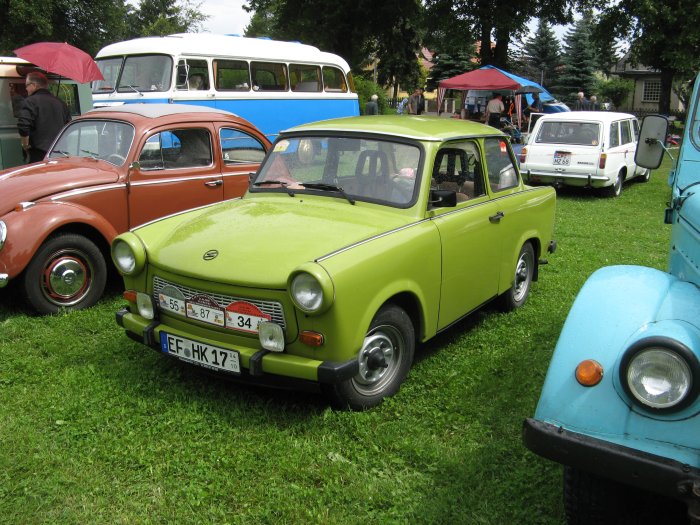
[{"x": 115, "y": 158}]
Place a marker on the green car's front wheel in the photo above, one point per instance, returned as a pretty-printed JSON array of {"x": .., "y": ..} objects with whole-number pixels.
[{"x": 384, "y": 361}]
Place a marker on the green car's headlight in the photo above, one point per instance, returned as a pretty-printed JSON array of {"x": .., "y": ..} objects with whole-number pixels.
[
  {"x": 311, "y": 289},
  {"x": 659, "y": 374},
  {"x": 128, "y": 254}
]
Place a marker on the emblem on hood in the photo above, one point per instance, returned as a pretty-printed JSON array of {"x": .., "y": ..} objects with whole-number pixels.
[{"x": 211, "y": 254}]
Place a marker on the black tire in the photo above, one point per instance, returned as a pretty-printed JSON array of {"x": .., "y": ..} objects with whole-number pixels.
[
  {"x": 615, "y": 190},
  {"x": 385, "y": 358},
  {"x": 517, "y": 294},
  {"x": 592, "y": 500},
  {"x": 645, "y": 177},
  {"x": 67, "y": 272}
]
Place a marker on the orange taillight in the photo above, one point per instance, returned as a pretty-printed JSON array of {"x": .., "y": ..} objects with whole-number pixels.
[
  {"x": 589, "y": 372},
  {"x": 523, "y": 155},
  {"x": 603, "y": 159}
]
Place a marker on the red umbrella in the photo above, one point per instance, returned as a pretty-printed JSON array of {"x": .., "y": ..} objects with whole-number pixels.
[{"x": 62, "y": 59}]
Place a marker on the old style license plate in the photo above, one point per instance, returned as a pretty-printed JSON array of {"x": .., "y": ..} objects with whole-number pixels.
[
  {"x": 562, "y": 158},
  {"x": 201, "y": 354}
]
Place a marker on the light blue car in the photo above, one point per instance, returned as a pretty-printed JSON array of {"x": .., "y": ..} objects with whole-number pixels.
[{"x": 620, "y": 406}]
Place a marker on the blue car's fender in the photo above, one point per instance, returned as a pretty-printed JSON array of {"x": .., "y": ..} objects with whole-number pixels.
[{"x": 618, "y": 307}]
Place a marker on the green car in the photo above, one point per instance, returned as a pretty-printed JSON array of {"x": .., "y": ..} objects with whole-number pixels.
[{"x": 358, "y": 239}]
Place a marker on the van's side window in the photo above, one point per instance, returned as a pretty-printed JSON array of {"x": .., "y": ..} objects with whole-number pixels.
[
  {"x": 269, "y": 76},
  {"x": 305, "y": 77},
  {"x": 232, "y": 75},
  {"x": 334, "y": 79}
]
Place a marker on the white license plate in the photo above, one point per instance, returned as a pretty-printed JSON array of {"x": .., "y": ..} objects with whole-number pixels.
[
  {"x": 562, "y": 158},
  {"x": 201, "y": 354}
]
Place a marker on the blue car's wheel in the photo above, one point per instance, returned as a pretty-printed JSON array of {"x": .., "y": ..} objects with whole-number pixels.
[{"x": 592, "y": 500}]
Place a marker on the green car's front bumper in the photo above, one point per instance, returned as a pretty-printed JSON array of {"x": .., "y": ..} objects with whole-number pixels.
[{"x": 257, "y": 365}]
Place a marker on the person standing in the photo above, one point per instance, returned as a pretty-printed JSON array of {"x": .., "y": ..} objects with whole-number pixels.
[
  {"x": 536, "y": 104},
  {"x": 421, "y": 102},
  {"x": 593, "y": 103},
  {"x": 581, "y": 103},
  {"x": 40, "y": 118},
  {"x": 372, "y": 108},
  {"x": 413, "y": 102},
  {"x": 493, "y": 111}
]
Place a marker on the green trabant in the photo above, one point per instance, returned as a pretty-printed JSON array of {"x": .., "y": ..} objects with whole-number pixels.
[{"x": 357, "y": 239}]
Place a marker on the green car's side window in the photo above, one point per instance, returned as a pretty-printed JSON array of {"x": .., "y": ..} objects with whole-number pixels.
[
  {"x": 458, "y": 168},
  {"x": 499, "y": 164}
]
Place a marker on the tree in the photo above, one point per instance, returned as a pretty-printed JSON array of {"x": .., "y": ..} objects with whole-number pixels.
[
  {"x": 492, "y": 21},
  {"x": 92, "y": 24},
  {"x": 579, "y": 62},
  {"x": 542, "y": 54},
  {"x": 662, "y": 35},
  {"x": 446, "y": 65},
  {"x": 360, "y": 31}
]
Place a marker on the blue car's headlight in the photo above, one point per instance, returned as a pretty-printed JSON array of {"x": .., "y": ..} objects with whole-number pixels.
[{"x": 660, "y": 374}]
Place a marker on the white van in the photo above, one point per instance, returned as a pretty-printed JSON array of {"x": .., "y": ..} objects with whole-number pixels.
[
  {"x": 13, "y": 71},
  {"x": 592, "y": 149}
]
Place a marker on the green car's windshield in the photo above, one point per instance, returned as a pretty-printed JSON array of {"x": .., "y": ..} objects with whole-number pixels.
[
  {"x": 100, "y": 139},
  {"x": 345, "y": 167}
]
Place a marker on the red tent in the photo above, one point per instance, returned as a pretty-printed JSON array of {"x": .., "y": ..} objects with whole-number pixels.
[{"x": 484, "y": 79}]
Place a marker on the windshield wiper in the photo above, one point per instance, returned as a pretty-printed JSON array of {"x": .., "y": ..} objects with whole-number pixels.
[
  {"x": 60, "y": 152},
  {"x": 91, "y": 154},
  {"x": 132, "y": 87},
  {"x": 328, "y": 187},
  {"x": 271, "y": 182}
]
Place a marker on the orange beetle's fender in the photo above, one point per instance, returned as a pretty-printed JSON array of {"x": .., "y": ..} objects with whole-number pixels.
[{"x": 29, "y": 228}]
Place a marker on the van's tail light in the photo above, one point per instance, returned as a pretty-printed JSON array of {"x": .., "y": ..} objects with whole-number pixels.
[
  {"x": 603, "y": 160},
  {"x": 523, "y": 155}
]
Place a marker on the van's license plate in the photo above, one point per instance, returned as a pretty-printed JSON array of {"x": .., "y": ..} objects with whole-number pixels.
[
  {"x": 201, "y": 354},
  {"x": 562, "y": 158}
]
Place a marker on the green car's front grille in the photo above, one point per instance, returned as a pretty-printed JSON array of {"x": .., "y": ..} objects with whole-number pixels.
[{"x": 271, "y": 308}]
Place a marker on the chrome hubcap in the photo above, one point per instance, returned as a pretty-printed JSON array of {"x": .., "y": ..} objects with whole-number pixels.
[
  {"x": 522, "y": 277},
  {"x": 66, "y": 279},
  {"x": 379, "y": 359}
]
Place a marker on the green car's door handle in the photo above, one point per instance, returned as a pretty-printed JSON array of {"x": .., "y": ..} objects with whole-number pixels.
[{"x": 496, "y": 218}]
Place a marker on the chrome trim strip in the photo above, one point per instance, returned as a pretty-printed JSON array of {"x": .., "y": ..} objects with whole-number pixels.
[
  {"x": 178, "y": 179},
  {"x": 567, "y": 175},
  {"x": 369, "y": 239},
  {"x": 91, "y": 189}
]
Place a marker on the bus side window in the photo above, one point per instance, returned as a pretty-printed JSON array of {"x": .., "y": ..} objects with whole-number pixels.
[
  {"x": 305, "y": 77},
  {"x": 269, "y": 76},
  {"x": 334, "y": 79},
  {"x": 192, "y": 74},
  {"x": 232, "y": 75}
]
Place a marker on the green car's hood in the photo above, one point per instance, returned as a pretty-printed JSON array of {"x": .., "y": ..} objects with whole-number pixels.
[{"x": 260, "y": 240}]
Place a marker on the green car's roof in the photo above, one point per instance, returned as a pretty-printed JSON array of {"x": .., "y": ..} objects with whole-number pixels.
[{"x": 429, "y": 128}]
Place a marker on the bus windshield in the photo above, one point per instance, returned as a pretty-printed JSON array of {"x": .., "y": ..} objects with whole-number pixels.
[{"x": 142, "y": 73}]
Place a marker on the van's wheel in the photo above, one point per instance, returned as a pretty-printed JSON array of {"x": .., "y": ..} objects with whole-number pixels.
[
  {"x": 385, "y": 358},
  {"x": 67, "y": 272},
  {"x": 592, "y": 500},
  {"x": 615, "y": 190},
  {"x": 517, "y": 294}
]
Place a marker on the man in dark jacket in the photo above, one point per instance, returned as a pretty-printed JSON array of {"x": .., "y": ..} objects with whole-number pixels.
[{"x": 40, "y": 118}]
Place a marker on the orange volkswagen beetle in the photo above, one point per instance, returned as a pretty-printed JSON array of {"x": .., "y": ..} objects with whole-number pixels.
[{"x": 108, "y": 171}]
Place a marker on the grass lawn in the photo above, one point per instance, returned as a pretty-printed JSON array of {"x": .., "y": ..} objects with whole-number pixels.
[{"x": 95, "y": 428}]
